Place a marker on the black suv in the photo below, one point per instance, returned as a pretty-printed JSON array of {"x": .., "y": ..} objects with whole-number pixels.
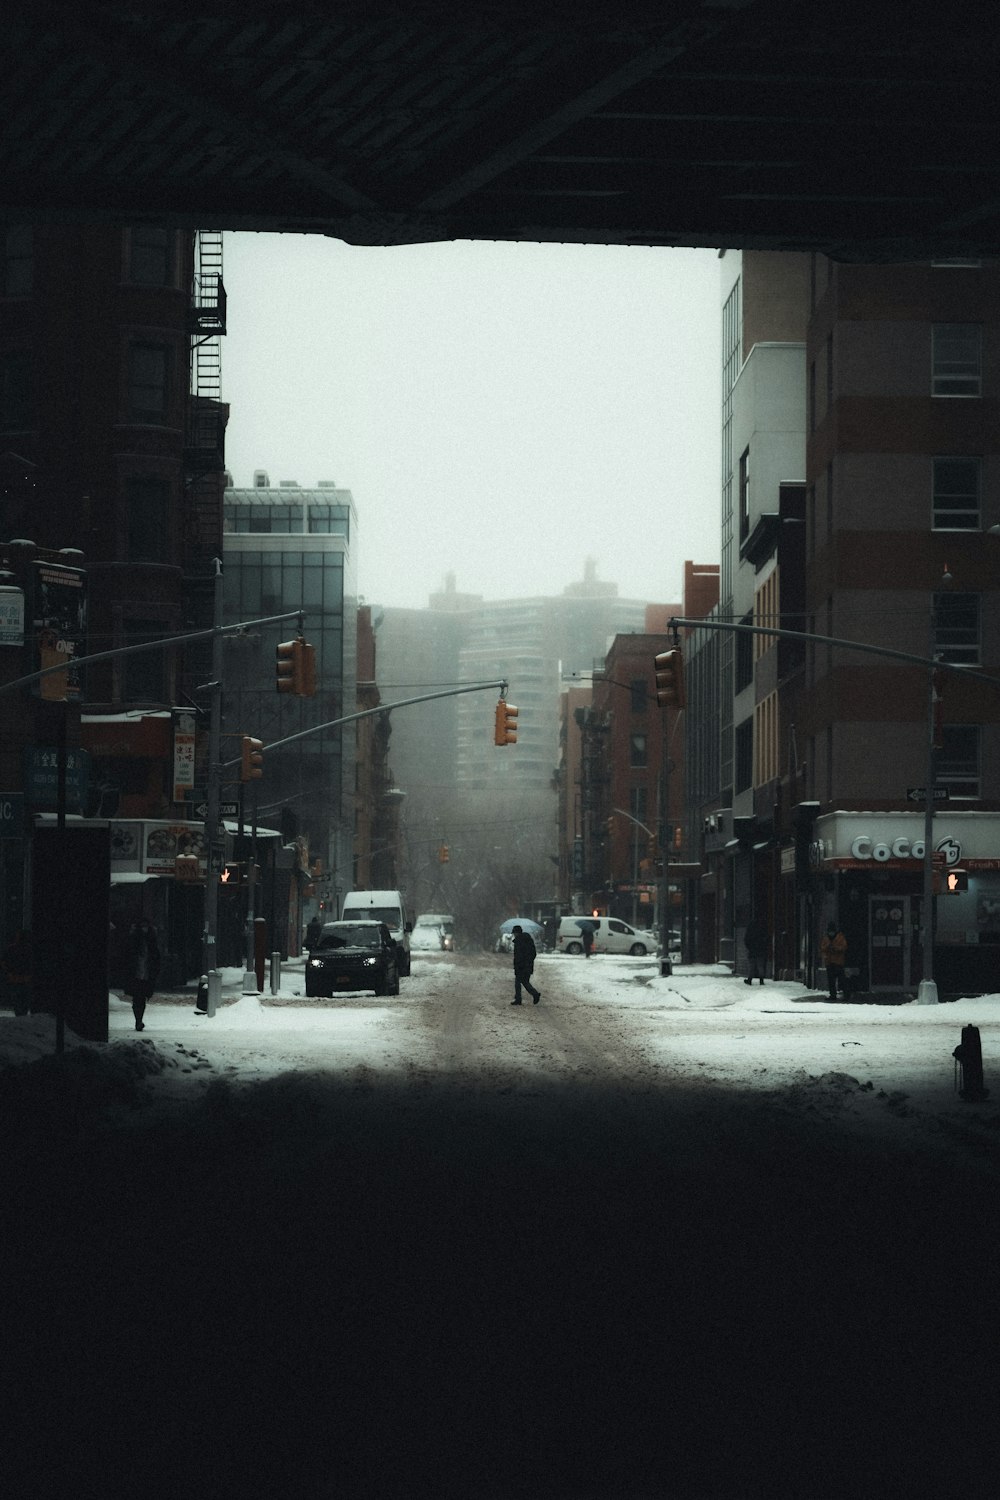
[{"x": 353, "y": 956}]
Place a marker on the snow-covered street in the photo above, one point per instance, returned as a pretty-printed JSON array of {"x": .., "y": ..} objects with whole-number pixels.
[{"x": 653, "y": 1237}]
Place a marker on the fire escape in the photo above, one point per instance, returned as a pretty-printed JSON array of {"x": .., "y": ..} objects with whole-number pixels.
[{"x": 204, "y": 445}]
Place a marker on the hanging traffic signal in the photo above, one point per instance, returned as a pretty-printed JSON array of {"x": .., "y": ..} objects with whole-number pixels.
[
  {"x": 444, "y": 854},
  {"x": 505, "y": 726},
  {"x": 295, "y": 668},
  {"x": 288, "y": 667},
  {"x": 251, "y": 759},
  {"x": 308, "y": 670},
  {"x": 670, "y": 679}
]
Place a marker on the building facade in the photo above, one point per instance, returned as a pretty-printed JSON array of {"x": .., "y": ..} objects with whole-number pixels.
[
  {"x": 290, "y": 548},
  {"x": 860, "y": 467}
]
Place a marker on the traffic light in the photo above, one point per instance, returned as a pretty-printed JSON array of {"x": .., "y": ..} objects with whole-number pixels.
[
  {"x": 670, "y": 679},
  {"x": 505, "y": 731},
  {"x": 295, "y": 668},
  {"x": 444, "y": 854},
  {"x": 957, "y": 880},
  {"x": 251, "y": 759}
]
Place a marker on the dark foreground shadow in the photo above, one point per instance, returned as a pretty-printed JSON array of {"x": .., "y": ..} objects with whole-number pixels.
[{"x": 313, "y": 1289}]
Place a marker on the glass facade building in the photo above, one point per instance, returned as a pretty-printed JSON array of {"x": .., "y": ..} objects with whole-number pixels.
[{"x": 286, "y": 548}]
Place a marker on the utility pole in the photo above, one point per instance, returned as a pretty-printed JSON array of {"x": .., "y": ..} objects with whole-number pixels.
[{"x": 213, "y": 841}]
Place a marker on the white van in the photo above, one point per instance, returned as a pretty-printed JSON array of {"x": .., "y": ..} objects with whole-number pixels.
[
  {"x": 383, "y": 906},
  {"x": 611, "y": 935}
]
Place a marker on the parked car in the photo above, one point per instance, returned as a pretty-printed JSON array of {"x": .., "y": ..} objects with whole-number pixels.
[
  {"x": 424, "y": 939},
  {"x": 611, "y": 935},
  {"x": 382, "y": 906},
  {"x": 353, "y": 956}
]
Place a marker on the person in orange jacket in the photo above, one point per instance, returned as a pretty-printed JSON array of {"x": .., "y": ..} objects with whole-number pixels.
[{"x": 833, "y": 948}]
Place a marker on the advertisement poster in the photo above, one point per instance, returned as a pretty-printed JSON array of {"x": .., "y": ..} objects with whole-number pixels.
[
  {"x": 11, "y": 616},
  {"x": 59, "y": 620},
  {"x": 183, "y": 755}
]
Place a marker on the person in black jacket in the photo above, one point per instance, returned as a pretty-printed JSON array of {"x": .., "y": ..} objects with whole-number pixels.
[
  {"x": 524, "y": 962},
  {"x": 756, "y": 940},
  {"x": 144, "y": 967}
]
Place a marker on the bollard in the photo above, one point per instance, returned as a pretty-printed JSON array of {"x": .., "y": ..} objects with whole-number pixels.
[
  {"x": 275, "y": 972},
  {"x": 968, "y": 1057}
]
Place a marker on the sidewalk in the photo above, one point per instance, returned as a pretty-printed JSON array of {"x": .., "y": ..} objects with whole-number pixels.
[{"x": 232, "y": 985}]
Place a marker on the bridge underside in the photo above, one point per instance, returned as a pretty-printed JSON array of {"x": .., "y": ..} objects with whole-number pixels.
[{"x": 863, "y": 129}]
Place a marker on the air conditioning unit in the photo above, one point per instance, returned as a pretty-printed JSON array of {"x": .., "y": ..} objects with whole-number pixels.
[{"x": 260, "y": 480}]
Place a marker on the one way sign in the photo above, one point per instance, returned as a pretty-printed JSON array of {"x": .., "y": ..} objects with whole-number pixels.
[
  {"x": 919, "y": 794},
  {"x": 226, "y": 809}
]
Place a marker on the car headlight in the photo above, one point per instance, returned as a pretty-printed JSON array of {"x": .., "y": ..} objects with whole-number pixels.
[{"x": 370, "y": 963}]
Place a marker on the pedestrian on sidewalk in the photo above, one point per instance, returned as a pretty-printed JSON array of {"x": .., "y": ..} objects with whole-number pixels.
[
  {"x": 833, "y": 951},
  {"x": 144, "y": 967},
  {"x": 524, "y": 962},
  {"x": 756, "y": 940}
]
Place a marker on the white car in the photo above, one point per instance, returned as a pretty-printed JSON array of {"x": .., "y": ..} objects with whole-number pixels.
[
  {"x": 611, "y": 935},
  {"x": 425, "y": 939}
]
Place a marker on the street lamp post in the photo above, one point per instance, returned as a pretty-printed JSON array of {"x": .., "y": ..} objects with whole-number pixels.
[{"x": 635, "y": 854}]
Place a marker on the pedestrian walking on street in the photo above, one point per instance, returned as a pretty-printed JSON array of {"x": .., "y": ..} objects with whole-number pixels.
[
  {"x": 833, "y": 950},
  {"x": 587, "y": 936},
  {"x": 524, "y": 961},
  {"x": 756, "y": 939},
  {"x": 144, "y": 967}
]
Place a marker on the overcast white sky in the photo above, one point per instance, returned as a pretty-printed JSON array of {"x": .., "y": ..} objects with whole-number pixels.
[{"x": 499, "y": 411}]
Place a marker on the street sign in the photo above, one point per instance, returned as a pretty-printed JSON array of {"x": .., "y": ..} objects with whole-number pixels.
[
  {"x": 919, "y": 794},
  {"x": 226, "y": 809}
]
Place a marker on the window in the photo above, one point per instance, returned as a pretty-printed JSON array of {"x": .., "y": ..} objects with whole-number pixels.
[
  {"x": 147, "y": 501},
  {"x": 743, "y": 771},
  {"x": 148, "y": 377},
  {"x": 16, "y": 403},
  {"x": 956, "y": 494},
  {"x": 957, "y": 359},
  {"x": 744, "y": 494},
  {"x": 151, "y": 256},
  {"x": 143, "y": 676},
  {"x": 956, "y": 628},
  {"x": 640, "y": 695},
  {"x": 637, "y": 750},
  {"x": 957, "y": 762},
  {"x": 16, "y": 260},
  {"x": 744, "y": 655},
  {"x": 637, "y": 804}
]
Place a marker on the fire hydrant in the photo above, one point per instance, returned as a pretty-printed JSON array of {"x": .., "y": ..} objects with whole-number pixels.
[{"x": 968, "y": 1057}]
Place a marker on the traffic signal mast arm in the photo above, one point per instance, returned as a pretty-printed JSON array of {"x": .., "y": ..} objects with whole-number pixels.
[
  {"x": 383, "y": 708},
  {"x": 832, "y": 640}
]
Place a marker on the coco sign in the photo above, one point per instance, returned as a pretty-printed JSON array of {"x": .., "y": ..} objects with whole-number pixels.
[{"x": 864, "y": 847}]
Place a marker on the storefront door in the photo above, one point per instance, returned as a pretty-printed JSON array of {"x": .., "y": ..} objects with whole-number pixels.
[{"x": 895, "y": 952}]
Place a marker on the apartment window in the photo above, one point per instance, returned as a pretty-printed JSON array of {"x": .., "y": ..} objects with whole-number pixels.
[
  {"x": 743, "y": 769},
  {"x": 640, "y": 696},
  {"x": 744, "y": 494},
  {"x": 637, "y": 750},
  {"x": 151, "y": 256},
  {"x": 956, "y": 628},
  {"x": 16, "y": 403},
  {"x": 147, "y": 503},
  {"x": 144, "y": 676},
  {"x": 637, "y": 803},
  {"x": 957, "y": 359},
  {"x": 744, "y": 655},
  {"x": 148, "y": 382},
  {"x": 956, "y": 494},
  {"x": 16, "y": 260},
  {"x": 957, "y": 761}
]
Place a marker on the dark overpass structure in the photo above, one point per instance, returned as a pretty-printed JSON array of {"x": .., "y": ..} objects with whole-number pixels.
[{"x": 865, "y": 129}]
